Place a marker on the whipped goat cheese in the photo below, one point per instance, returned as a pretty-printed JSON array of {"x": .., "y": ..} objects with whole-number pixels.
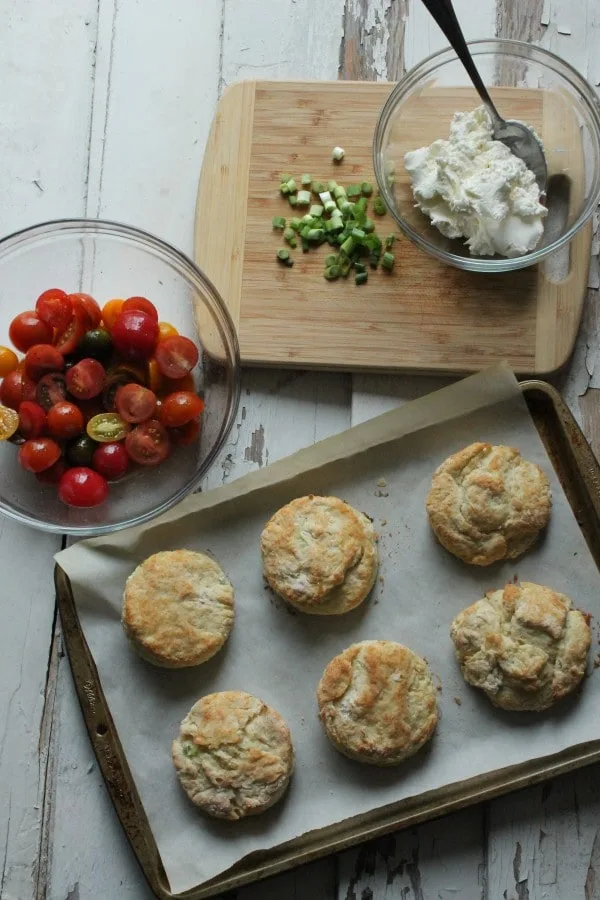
[{"x": 472, "y": 186}]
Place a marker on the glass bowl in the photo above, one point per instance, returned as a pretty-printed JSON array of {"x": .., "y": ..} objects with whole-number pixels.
[
  {"x": 526, "y": 83},
  {"x": 107, "y": 260}
]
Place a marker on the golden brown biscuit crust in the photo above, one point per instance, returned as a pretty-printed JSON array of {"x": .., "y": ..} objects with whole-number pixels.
[
  {"x": 234, "y": 755},
  {"x": 525, "y": 646},
  {"x": 178, "y": 608},
  {"x": 377, "y": 702},
  {"x": 487, "y": 503},
  {"x": 320, "y": 555}
]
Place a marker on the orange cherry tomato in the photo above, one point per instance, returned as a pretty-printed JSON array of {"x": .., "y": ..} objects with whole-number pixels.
[
  {"x": 8, "y": 361},
  {"x": 166, "y": 330},
  {"x": 111, "y": 312},
  {"x": 180, "y": 408},
  {"x": 155, "y": 378}
]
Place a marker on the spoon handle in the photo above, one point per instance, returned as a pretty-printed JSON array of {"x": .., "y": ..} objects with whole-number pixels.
[{"x": 443, "y": 13}]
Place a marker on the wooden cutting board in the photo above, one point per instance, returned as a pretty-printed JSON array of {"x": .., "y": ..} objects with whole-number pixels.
[{"x": 425, "y": 316}]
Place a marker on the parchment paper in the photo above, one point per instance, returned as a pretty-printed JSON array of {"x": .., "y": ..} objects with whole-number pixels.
[{"x": 383, "y": 467}]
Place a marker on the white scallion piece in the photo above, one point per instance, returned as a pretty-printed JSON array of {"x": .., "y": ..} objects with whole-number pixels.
[{"x": 337, "y": 154}]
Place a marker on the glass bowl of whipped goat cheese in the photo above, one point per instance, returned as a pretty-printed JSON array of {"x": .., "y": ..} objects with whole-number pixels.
[{"x": 464, "y": 197}]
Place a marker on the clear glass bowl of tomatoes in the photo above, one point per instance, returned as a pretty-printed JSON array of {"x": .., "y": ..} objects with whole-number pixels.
[{"x": 119, "y": 376}]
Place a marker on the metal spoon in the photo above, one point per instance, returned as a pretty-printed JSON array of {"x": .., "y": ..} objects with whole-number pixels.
[{"x": 519, "y": 138}]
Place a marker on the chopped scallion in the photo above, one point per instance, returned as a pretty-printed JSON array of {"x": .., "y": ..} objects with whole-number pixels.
[
  {"x": 315, "y": 234},
  {"x": 332, "y": 185},
  {"x": 361, "y": 277},
  {"x": 317, "y": 187},
  {"x": 389, "y": 241},
  {"x": 358, "y": 235},
  {"x": 337, "y": 154},
  {"x": 306, "y": 180},
  {"x": 330, "y": 206},
  {"x": 292, "y": 185},
  {"x": 293, "y": 199},
  {"x": 366, "y": 189},
  {"x": 316, "y": 210},
  {"x": 331, "y": 260},
  {"x": 379, "y": 207},
  {"x": 325, "y": 197},
  {"x": 295, "y": 223},
  {"x": 278, "y": 222},
  {"x": 303, "y": 198},
  {"x": 353, "y": 190},
  {"x": 387, "y": 261},
  {"x": 348, "y": 246}
]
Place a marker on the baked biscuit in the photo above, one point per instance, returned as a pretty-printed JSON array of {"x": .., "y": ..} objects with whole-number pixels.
[
  {"x": 320, "y": 555},
  {"x": 377, "y": 702},
  {"x": 525, "y": 646},
  {"x": 487, "y": 503},
  {"x": 178, "y": 608},
  {"x": 234, "y": 755}
]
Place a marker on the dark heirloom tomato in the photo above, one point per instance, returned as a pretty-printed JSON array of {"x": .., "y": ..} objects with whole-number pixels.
[
  {"x": 97, "y": 344},
  {"x": 81, "y": 450},
  {"x": 111, "y": 460},
  {"x": 176, "y": 356},
  {"x": 41, "y": 359},
  {"x": 148, "y": 444},
  {"x": 54, "y": 308},
  {"x": 117, "y": 376},
  {"x": 38, "y": 454},
  {"x": 51, "y": 389},
  {"x": 135, "y": 334},
  {"x": 15, "y": 388},
  {"x": 135, "y": 403},
  {"x": 180, "y": 408},
  {"x": 86, "y": 379},
  {"x": 32, "y": 419},
  {"x": 65, "y": 420},
  {"x": 27, "y": 329},
  {"x": 81, "y": 486}
]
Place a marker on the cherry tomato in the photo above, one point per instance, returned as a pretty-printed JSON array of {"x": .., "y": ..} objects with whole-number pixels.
[
  {"x": 176, "y": 356},
  {"x": 86, "y": 379},
  {"x": 54, "y": 473},
  {"x": 140, "y": 303},
  {"x": 8, "y": 361},
  {"x": 111, "y": 460},
  {"x": 88, "y": 310},
  {"x": 81, "y": 451},
  {"x": 148, "y": 444},
  {"x": 117, "y": 376},
  {"x": 54, "y": 308},
  {"x": 81, "y": 486},
  {"x": 51, "y": 389},
  {"x": 154, "y": 375},
  {"x": 9, "y": 422},
  {"x": 15, "y": 388},
  {"x": 27, "y": 329},
  {"x": 106, "y": 428},
  {"x": 166, "y": 330},
  {"x": 135, "y": 334},
  {"x": 180, "y": 408},
  {"x": 38, "y": 454},
  {"x": 185, "y": 434},
  {"x": 32, "y": 419},
  {"x": 135, "y": 403},
  {"x": 69, "y": 337},
  {"x": 65, "y": 420},
  {"x": 170, "y": 385},
  {"x": 41, "y": 359},
  {"x": 96, "y": 343},
  {"x": 111, "y": 312}
]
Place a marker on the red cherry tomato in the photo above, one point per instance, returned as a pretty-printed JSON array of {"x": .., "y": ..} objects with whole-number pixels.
[
  {"x": 27, "y": 329},
  {"x": 54, "y": 473},
  {"x": 111, "y": 460},
  {"x": 86, "y": 379},
  {"x": 180, "y": 408},
  {"x": 38, "y": 454},
  {"x": 51, "y": 389},
  {"x": 32, "y": 419},
  {"x": 185, "y": 434},
  {"x": 135, "y": 403},
  {"x": 65, "y": 420},
  {"x": 15, "y": 388},
  {"x": 135, "y": 334},
  {"x": 148, "y": 444},
  {"x": 81, "y": 486},
  {"x": 141, "y": 304},
  {"x": 54, "y": 308},
  {"x": 41, "y": 359},
  {"x": 88, "y": 310},
  {"x": 67, "y": 338},
  {"x": 176, "y": 356}
]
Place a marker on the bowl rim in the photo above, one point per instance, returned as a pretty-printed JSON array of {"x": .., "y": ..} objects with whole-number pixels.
[
  {"x": 487, "y": 264},
  {"x": 109, "y": 227}
]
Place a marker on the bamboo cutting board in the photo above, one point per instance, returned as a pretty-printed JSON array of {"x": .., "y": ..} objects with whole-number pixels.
[{"x": 425, "y": 316}]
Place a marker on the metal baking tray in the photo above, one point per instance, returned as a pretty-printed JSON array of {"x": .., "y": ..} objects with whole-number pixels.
[{"x": 579, "y": 473}]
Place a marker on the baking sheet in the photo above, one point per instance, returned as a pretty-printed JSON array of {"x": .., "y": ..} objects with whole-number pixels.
[{"x": 384, "y": 467}]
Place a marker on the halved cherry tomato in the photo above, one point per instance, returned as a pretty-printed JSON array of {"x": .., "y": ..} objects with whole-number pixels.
[
  {"x": 117, "y": 376},
  {"x": 9, "y": 422},
  {"x": 154, "y": 375},
  {"x": 111, "y": 460},
  {"x": 148, "y": 444},
  {"x": 27, "y": 329},
  {"x": 32, "y": 419},
  {"x": 41, "y": 359},
  {"x": 86, "y": 379},
  {"x": 68, "y": 338},
  {"x": 185, "y": 434},
  {"x": 51, "y": 389},
  {"x": 54, "y": 473},
  {"x": 38, "y": 454},
  {"x": 180, "y": 408},
  {"x": 170, "y": 385},
  {"x": 65, "y": 420},
  {"x": 111, "y": 312},
  {"x": 15, "y": 388},
  {"x": 54, "y": 308},
  {"x": 88, "y": 310},
  {"x": 176, "y": 356},
  {"x": 142, "y": 304},
  {"x": 135, "y": 403},
  {"x": 166, "y": 330},
  {"x": 8, "y": 361},
  {"x": 81, "y": 486},
  {"x": 107, "y": 427},
  {"x": 135, "y": 334}
]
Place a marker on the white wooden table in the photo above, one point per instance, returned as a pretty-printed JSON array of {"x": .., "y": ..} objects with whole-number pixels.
[{"x": 105, "y": 107}]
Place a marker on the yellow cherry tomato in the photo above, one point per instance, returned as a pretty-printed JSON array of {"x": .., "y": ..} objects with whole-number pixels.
[
  {"x": 111, "y": 312},
  {"x": 107, "y": 427},
  {"x": 155, "y": 378},
  {"x": 9, "y": 422},
  {"x": 166, "y": 330},
  {"x": 8, "y": 361}
]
